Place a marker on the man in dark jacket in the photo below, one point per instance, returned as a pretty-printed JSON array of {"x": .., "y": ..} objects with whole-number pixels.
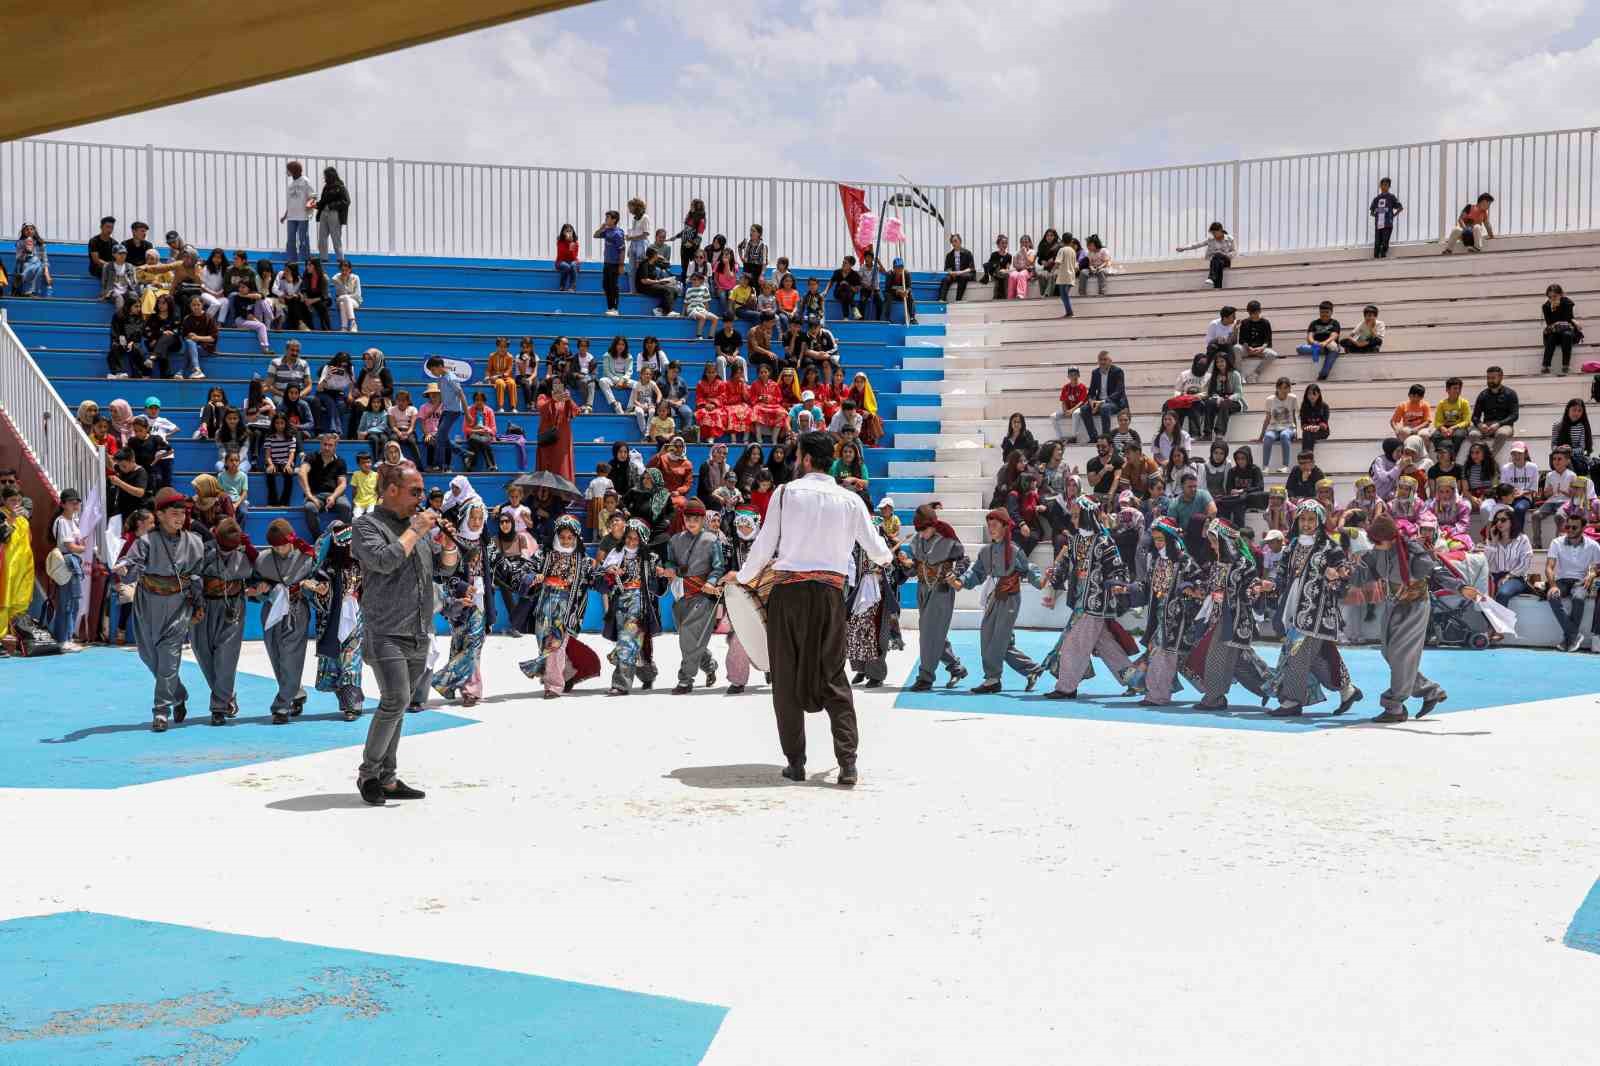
[
  {"x": 959, "y": 268},
  {"x": 1108, "y": 394}
]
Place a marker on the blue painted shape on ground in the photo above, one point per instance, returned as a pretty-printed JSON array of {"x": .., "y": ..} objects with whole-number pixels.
[
  {"x": 1584, "y": 932},
  {"x": 83, "y": 721},
  {"x": 201, "y": 996},
  {"x": 1473, "y": 679}
]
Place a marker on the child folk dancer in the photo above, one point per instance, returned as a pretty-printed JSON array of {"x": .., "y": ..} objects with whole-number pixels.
[
  {"x": 1309, "y": 579},
  {"x": 556, "y": 589},
  {"x": 738, "y": 533},
  {"x": 219, "y": 633},
  {"x": 1009, "y": 567},
  {"x": 1404, "y": 566},
  {"x": 467, "y": 604},
  {"x": 936, "y": 554},
  {"x": 1101, "y": 579},
  {"x": 287, "y": 572},
  {"x": 166, "y": 562},
  {"x": 872, "y": 608},
  {"x": 633, "y": 616},
  {"x": 1223, "y": 654},
  {"x": 339, "y": 623},
  {"x": 1173, "y": 585},
  {"x": 694, "y": 557}
]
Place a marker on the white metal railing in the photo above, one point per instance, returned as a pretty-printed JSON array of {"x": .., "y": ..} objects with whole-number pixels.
[
  {"x": 49, "y": 429},
  {"x": 1543, "y": 183}
]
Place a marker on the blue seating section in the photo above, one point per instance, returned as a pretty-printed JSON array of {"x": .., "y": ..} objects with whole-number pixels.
[{"x": 420, "y": 306}]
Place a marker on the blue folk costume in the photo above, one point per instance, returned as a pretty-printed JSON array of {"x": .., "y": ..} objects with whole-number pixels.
[
  {"x": 633, "y": 613},
  {"x": 1098, "y": 578},
  {"x": 340, "y": 627},
  {"x": 1169, "y": 611},
  {"x": 555, "y": 590},
  {"x": 1223, "y": 654}
]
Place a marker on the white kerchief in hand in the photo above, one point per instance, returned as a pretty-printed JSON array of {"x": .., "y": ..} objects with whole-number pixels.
[
  {"x": 349, "y": 617},
  {"x": 278, "y": 609}
]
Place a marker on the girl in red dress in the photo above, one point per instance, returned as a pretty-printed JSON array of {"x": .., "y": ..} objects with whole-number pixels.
[
  {"x": 766, "y": 404},
  {"x": 709, "y": 414},
  {"x": 736, "y": 402}
]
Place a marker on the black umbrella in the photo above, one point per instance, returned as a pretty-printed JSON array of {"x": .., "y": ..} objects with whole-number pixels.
[{"x": 544, "y": 479}]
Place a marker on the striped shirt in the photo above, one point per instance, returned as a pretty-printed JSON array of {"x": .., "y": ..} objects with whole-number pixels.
[{"x": 280, "y": 450}]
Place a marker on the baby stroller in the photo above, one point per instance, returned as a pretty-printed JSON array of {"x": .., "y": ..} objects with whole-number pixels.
[{"x": 1455, "y": 622}]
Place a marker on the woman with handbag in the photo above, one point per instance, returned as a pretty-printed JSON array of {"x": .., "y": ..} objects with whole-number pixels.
[{"x": 556, "y": 412}]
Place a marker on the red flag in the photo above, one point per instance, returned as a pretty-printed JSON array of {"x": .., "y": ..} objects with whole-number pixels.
[{"x": 855, "y": 205}]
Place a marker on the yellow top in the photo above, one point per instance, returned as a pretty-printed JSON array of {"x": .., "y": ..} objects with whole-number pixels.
[
  {"x": 1449, "y": 415},
  {"x": 366, "y": 483}
]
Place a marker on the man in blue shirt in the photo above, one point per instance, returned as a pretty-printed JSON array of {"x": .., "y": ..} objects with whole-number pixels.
[
  {"x": 611, "y": 233},
  {"x": 454, "y": 404},
  {"x": 1191, "y": 501}
]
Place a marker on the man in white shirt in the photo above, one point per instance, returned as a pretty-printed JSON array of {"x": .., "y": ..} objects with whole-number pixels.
[
  {"x": 295, "y": 213},
  {"x": 812, "y": 528},
  {"x": 1569, "y": 571},
  {"x": 1223, "y": 332}
]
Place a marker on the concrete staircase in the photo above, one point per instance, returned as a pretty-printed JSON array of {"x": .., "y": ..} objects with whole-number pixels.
[{"x": 1446, "y": 315}]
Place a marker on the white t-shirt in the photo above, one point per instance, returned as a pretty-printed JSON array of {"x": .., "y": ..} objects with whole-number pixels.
[
  {"x": 1574, "y": 560},
  {"x": 294, "y": 208},
  {"x": 1559, "y": 482},
  {"x": 66, "y": 531},
  {"x": 1524, "y": 478},
  {"x": 598, "y": 488}
]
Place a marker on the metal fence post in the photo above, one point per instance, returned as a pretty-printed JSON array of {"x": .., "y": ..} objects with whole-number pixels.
[
  {"x": 392, "y": 244},
  {"x": 772, "y": 211},
  {"x": 150, "y": 183},
  {"x": 1444, "y": 191},
  {"x": 1233, "y": 211},
  {"x": 587, "y": 214}
]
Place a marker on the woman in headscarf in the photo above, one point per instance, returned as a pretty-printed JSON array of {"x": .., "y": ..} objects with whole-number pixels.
[
  {"x": 467, "y": 605},
  {"x": 287, "y": 572},
  {"x": 1223, "y": 654},
  {"x": 1309, "y": 581},
  {"x": 872, "y": 607},
  {"x": 622, "y": 473},
  {"x": 1007, "y": 565},
  {"x": 88, "y": 411},
  {"x": 633, "y": 616},
  {"x": 739, "y": 529},
  {"x": 219, "y": 633},
  {"x": 716, "y": 487},
  {"x": 1385, "y": 469},
  {"x": 166, "y": 563},
  {"x": 866, "y": 402},
  {"x": 558, "y": 589},
  {"x": 122, "y": 420},
  {"x": 677, "y": 475},
  {"x": 651, "y": 505},
  {"x": 211, "y": 506},
  {"x": 340, "y": 627},
  {"x": 1453, "y": 513},
  {"x": 556, "y": 413},
  {"x": 779, "y": 464},
  {"x": 1101, "y": 580},
  {"x": 789, "y": 386},
  {"x": 1170, "y": 593}
]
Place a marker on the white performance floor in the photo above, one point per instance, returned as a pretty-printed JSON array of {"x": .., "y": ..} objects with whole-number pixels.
[{"x": 1000, "y": 888}]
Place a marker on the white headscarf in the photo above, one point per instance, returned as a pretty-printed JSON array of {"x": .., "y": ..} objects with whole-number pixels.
[{"x": 460, "y": 492}]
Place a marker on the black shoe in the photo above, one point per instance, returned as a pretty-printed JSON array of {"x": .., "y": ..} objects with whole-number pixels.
[
  {"x": 711, "y": 679},
  {"x": 402, "y": 791},
  {"x": 956, "y": 677},
  {"x": 280, "y": 718},
  {"x": 873, "y": 683},
  {"x": 158, "y": 724},
  {"x": 567, "y": 687},
  {"x": 921, "y": 686},
  {"x": 372, "y": 792},
  {"x": 988, "y": 688},
  {"x": 795, "y": 771},
  {"x": 296, "y": 707},
  {"x": 1057, "y": 694},
  {"x": 180, "y": 712},
  {"x": 858, "y": 679},
  {"x": 414, "y": 708},
  {"x": 351, "y": 714},
  {"x": 1388, "y": 716},
  {"x": 647, "y": 685},
  {"x": 734, "y": 690},
  {"x": 1349, "y": 701},
  {"x": 233, "y": 709},
  {"x": 847, "y": 775},
  {"x": 218, "y": 718},
  {"x": 1430, "y": 704},
  {"x": 1286, "y": 710},
  {"x": 1220, "y": 705},
  {"x": 683, "y": 688}
]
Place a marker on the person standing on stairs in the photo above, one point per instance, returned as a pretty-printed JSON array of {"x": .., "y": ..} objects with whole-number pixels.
[
  {"x": 936, "y": 553},
  {"x": 1385, "y": 208}
]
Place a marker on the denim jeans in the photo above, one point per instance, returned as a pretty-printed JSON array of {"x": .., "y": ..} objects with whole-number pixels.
[
  {"x": 1329, "y": 354},
  {"x": 329, "y": 411},
  {"x": 1065, "y": 292},
  {"x": 1284, "y": 437},
  {"x": 567, "y": 276},
  {"x": 440, "y": 456},
  {"x": 68, "y": 599},
  {"x": 1509, "y": 586},
  {"x": 298, "y": 247},
  {"x": 1108, "y": 413},
  {"x": 1568, "y": 609},
  {"x": 30, "y": 279},
  {"x": 191, "y": 356}
]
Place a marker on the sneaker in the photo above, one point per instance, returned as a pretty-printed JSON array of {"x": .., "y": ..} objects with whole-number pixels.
[
  {"x": 855, "y": 315},
  {"x": 354, "y": 328},
  {"x": 116, "y": 377},
  {"x": 158, "y": 724},
  {"x": 673, "y": 314},
  {"x": 612, "y": 313},
  {"x": 197, "y": 375},
  {"x": 1574, "y": 644}
]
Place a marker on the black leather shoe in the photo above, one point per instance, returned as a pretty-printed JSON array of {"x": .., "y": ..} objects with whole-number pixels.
[
  {"x": 1428, "y": 705},
  {"x": 372, "y": 792},
  {"x": 682, "y": 690},
  {"x": 280, "y": 718},
  {"x": 1057, "y": 694},
  {"x": 795, "y": 771},
  {"x": 1288, "y": 710},
  {"x": 180, "y": 712},
  {"x": 873, "y": 683},
  {"x": 350, "y": 714},
  {"x": 296, "y": 707},
  {"x": 219, "y": 718},
  {"x": 414, "y": 708},
  {"x": 734, "y": 690},
  {"x": 858, "y": 679},
  {"x": 988, "y": 688},
  {"x": 1349, "y": 701},
  {"x": 956, "y": 677},
  {"x": 158, "y": 724},
  {"x": 921, "y": 686},
  {"x": 1389, "y": 716},
  {"x": 402, "y": 791},
  {"x": 847, "y": 775},
  {"x": 567, "y": 687}
]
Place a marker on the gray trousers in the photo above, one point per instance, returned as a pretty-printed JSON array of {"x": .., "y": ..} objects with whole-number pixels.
[
  {"x": 696, "y": 617},
  {"x": 401, "y": 666},
  {"x": 1402, "y": 650},
  {"x": 1268, "y": 357},
  {"x": 216, "y": 640},
  {"x": 163, "y": 622},
  {"x": 286, "y": 649},
  {"x": 998, "y": 642},
  {"x": 933, "y": 632},
  {"x": 328, "y": 227},
  {"x": 1085, "y": 638},
  {"x": 1160, "y": 674}
]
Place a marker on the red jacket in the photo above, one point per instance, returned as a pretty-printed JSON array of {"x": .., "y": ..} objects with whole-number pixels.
[{"x": 1073, "y": 394}]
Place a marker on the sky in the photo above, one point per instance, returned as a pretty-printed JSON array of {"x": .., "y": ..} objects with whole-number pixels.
[{"x": 941, "y": 91}]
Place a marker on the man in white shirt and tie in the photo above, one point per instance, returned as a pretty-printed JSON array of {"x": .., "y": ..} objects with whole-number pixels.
[{"x": 811, "y": 530}]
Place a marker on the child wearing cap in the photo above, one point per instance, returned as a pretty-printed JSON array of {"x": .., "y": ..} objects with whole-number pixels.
[
  {"x": 898, "y": 290},
  {"x": 165, "y": 564},
  {"x": 696, "y": 562}
]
